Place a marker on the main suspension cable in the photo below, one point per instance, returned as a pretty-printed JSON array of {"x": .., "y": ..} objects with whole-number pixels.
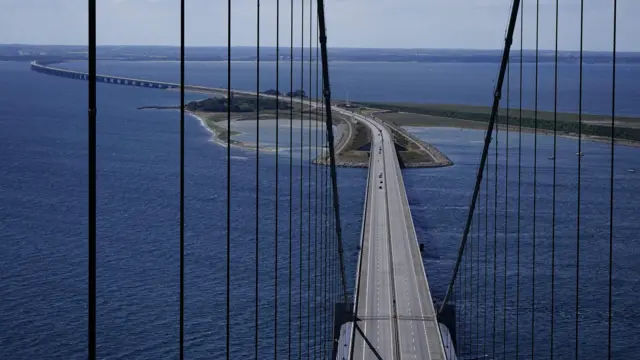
[
  {"x": 334, "y": 177},
  {"x": 487, "y": 141}
]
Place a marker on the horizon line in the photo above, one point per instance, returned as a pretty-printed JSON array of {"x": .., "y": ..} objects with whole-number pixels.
[{"x": 513, "y": 49}]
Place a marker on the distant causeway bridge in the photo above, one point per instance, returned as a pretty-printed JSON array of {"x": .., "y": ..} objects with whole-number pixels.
[{"x": 50, "y": 70}]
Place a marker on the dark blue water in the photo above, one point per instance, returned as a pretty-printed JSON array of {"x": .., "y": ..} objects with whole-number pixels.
[
  {"x": 436, "y": 83},
  {"x": 44, "y": 215},
  {"x": 440, "y": 227}
]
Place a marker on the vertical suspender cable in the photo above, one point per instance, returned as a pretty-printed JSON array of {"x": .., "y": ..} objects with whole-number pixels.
[
  {"x": 517, "y": 350},
  {"x": 320, "y": 148},
  {"x": 325, "y": 197},
  {"x": 455, "y": 304},
  {"x": 486, "y": 257},
  {"x": 613, "y": 140},
  {"x": 315, "y": 241},
  {"x": 277, "y": 204},
  {"x": 535, "y": 183},
  {"x": 463, "y": 292},
  {"x": 290, "y": 338},
  {"x": 577, "y": 314},
  {"x": 257, "y": 219},
  {"x": 468, "y": 301},
  {"x": 495, "y": 242},
  {"x": 553, "y": 200},
  {"x": 319, "y": 156},
  {"x": 301, "y": 175},
  {"x": 182, "y": 13},
  {"x": 478, "y": 279},
  {"x": 487, "y": 141},
  {"x": 92, "y": 181},
  {"x": 228, "y": 303},
  {"x": 309, "y": 291},
  {"x": 506, "y": 215}
]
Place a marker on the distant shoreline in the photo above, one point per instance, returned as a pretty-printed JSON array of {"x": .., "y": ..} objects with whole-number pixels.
[
  {"x": 220, "y": 134},
  {"x": 61, "y": 53}
]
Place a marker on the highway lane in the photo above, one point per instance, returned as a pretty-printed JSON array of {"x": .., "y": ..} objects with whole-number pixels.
[
  {"x": 375, "y": 309},
  {"x": 412, "y": 327}
]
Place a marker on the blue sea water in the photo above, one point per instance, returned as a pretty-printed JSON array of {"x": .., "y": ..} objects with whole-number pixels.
[{"x": 43, "y": 212}]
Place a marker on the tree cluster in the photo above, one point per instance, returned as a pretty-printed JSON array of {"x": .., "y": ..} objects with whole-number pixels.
[{"x": 238, "y": 104}]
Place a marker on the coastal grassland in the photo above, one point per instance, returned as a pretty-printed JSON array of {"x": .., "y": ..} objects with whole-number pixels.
[
  {"x": 349, "y": 153},
  {"x": 217, "y": 121},
  {"x": 595, "y": 127},
  {"x": 410, "y": 119},
  {"x": 417, "y": 153}
]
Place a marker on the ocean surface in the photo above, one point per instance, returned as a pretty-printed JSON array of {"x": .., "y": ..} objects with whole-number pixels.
[{"x": 43, "y": 214}]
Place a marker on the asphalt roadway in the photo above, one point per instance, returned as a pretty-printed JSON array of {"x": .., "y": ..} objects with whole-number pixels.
[{"x": 395, "y": 312}]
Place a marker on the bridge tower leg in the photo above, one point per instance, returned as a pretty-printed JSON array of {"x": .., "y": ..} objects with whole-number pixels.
[
  {"x": 342, "y": 314},
  {"x": 447, "y": 317}
]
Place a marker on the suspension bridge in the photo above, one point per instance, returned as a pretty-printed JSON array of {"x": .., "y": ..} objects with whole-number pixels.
[{"x": 392, "y": 312}]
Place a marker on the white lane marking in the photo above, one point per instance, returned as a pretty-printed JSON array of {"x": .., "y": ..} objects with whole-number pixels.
[
  {"x": 384, "y": 220},
  {"x": 366, "y": 288},
  {"x": 415, "y": 280},
  {"x": 404, "y": 233},
  {"x": 386, "y": 204}
]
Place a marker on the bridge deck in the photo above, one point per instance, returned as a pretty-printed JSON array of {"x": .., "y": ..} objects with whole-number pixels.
[{"x": 396, "y": 317}]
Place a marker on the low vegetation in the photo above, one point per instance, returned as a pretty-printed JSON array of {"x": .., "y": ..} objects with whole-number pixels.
[
  {"x": 627, "y": 128},
  {"x": 238, "y": 104}
]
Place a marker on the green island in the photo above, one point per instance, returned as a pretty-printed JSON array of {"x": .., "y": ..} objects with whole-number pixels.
[
  {"x": 214, "y": 112},
  {"x": 351, "y": 143}
]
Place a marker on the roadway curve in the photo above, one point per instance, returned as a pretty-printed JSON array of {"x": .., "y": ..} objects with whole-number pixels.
[{"x": 393, "y": 301}]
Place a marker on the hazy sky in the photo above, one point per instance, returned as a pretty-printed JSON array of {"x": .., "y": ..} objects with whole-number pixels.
[{"x": 475, "y": 24}]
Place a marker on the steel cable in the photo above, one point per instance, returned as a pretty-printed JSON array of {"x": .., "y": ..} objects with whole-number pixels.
[
  {"x": 182, "y": 43},
  {"x": 577, "y": 299},
  {"x": 92, "y": 150},
  {"x": 611, "y": 180}
]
